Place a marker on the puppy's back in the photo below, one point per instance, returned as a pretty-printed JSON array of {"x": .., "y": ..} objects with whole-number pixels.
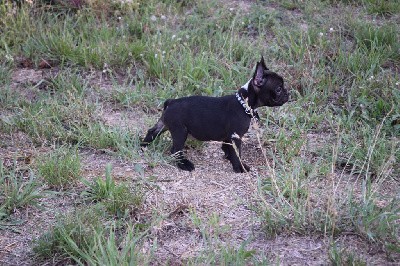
[{"x": 206, "y": 118}]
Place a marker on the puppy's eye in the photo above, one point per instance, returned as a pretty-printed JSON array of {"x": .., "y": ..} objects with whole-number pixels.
[{"x": 279, "y": 90}]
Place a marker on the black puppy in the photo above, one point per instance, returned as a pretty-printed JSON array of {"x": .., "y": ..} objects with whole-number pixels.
[{"x": 224, "y": 119}]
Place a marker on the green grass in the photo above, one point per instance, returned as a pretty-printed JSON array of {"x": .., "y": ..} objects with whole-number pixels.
[
  {"x": 99, "y": 136},
  {"x": 67, "y": 82},
  {"x": 17, "y": 192},
  {"x": 370, "y": 156},
  {"x": 60, "y": 168},
  {"x": 342, "y": 257},
  {"x": 73, "y": 231},
  {"x": 376, "y": 7},
  {"x": 118, "y": 199},
  {"x": 287, "y": 194},
  {"x": 382, "y": 7},
  {"x": 226, "y": 255},
  {"x": 9, "y": 99},
  {"x": 83, "y": 237},
  {"x": 100, "y": 189},
  {"x": 5, "y": 73},
  {"x": 55, "y": 119},
  {"x": 110, "y": 248},
  {"x": 216, "y": 253}
]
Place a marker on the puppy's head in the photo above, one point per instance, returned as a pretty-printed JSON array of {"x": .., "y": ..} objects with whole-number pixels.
[{"x": 268, "y": 87}]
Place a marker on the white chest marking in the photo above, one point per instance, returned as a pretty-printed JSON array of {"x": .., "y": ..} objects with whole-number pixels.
[{"x": 246, "y": 86}]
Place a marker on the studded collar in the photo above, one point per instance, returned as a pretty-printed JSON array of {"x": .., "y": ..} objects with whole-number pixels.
[{"x": 247, "y": 109}]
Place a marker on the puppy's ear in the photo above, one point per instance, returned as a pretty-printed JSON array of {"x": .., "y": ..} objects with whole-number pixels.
[
  {"x": 263, "y": 63},
  {"x": 258, "y": 74}
]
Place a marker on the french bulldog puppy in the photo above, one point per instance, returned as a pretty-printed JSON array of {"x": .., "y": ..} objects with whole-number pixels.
[{"x": 224, "y": 119}]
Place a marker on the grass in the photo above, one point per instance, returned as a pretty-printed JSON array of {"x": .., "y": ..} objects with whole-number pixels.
[
  {"x": 9, "y": 98},
  {"x": 288, "y": 202},
  {"x": 378, "y": 7},
  {"x": 75, "y": 230},
  {"x": 216, "y": 253},
  {"x": 118, "y": 199},
  {"x": 381, "y": 7},
  {"x": 332, "y": 155},
  {"x": 83, "y": 238},
  {"x": 60, "y": 168},
  {"x": 5, "y": 73},
  {"x": 67, "y": 82},
  {"x": 112, "y": 249},
  {"x": 17, "y": 193},
  {"x": 342, "y": 257},
  {"x": 227, "y": 256},
  {"x": 55, "y": 120}
]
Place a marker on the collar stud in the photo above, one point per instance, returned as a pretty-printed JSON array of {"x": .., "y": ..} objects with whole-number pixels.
[{"x": 247, "y": 109}]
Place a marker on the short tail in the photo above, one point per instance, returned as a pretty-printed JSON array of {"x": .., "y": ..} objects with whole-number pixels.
[
  {"x": 156, "y": 130},
  {"x": 166, "y": 103},
  {"x": 153, "y": 132}
]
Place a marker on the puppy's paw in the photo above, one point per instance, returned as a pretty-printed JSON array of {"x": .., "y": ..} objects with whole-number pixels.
[
  {"x": 242, "y": 168},
  {"x": 186, "y": 165},
  {"x": 144, "y": 144}
]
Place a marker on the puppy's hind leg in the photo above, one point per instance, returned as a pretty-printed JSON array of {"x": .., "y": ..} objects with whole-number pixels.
[
  {"x": 179, "y": 135},
  {"x": 153, "y": 132}
]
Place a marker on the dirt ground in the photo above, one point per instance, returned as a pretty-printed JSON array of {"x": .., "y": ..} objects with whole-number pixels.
[{"x": 213, "y": 188}]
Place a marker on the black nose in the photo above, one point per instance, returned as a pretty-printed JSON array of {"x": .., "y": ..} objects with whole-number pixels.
[{"x": 286, "y": 97}]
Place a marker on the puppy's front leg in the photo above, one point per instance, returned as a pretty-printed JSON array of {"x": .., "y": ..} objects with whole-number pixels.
[
  {"x": 233, "y": 152},
  {"x": 179, "y": 135}
]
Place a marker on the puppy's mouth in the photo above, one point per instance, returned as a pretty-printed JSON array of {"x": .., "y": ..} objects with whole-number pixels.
[
  {"x": 279, "y": 103},
  {"x": 281, "y": 99}
]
